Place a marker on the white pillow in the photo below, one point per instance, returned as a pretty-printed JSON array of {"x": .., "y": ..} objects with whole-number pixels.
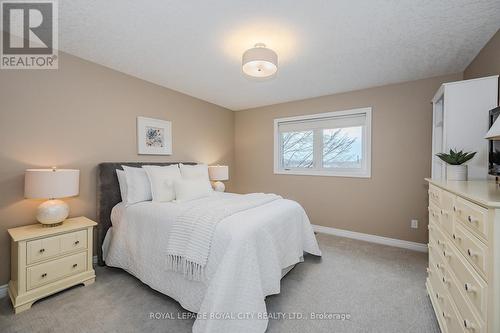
[
  {"x": 138, "y": 186},
  {"x": 190, "y": 189},
  {"x": 194, "y": 171},
  {"x": 162, "y": 181},
  {"x": 122, "y": 181}
]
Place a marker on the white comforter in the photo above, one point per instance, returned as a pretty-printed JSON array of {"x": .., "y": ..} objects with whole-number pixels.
[{"x": 248, "y": 253}]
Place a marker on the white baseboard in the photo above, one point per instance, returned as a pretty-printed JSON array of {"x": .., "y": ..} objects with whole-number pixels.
[
  {"x": 3, "y": 288},
  {"x": 371, "y": 238}
]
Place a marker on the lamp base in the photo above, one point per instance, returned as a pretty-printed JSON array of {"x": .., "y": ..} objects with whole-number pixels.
[
  {"x": 52, "y": 212},
  {"x": 218, "y": 186}
]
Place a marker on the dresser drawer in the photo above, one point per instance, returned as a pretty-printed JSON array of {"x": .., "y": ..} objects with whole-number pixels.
[
  {"x": 54, "y": 270},
  {"x": 434, "y": 214},
  {"x": 437, "y": 298},
  {"x": 435, "y": 194},
  {"x": 470, "y": 319},
  {"x": 74, "y": 241},
  {"x": 450, "y": 316},
  {"x": 473, "y": 216},
  {"x": 437, "y": 240},
  {"x": 472, "y": 248},
  {"x": 42, "y": 249},
  {"x": 475, "y": 288}
]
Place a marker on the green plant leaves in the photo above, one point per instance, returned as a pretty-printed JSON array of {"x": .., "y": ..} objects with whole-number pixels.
[{"x": 456, "y": 158}]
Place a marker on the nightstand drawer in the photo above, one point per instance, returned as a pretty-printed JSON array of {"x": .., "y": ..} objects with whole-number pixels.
[
  {"x": 54, "y": 270},
  {"x": 41, "y": 249},
  {"x": 74, "y": 241}
]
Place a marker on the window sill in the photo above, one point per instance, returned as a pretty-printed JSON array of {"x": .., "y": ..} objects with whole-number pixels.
[{"x": 325, "y": 173}]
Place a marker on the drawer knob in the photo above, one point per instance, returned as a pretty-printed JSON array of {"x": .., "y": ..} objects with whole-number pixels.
[
  {"x": 468, "y": 324},
  {"x": 471, "y": 253},
  {"x": 75, "y": 265},
  {"x": 77, "y": 242},
  {"x": 454, "y": 208},
  {"x": 445, "y": 280},
  {"x": 445, "y": 316},
  {"x": 438, "y": 296},
  {"x": 446, "y": 254},
  {"x": 42, "y": 250},
  {"x": 44, "y": 275},
  {"x": 469, "y": 287}
]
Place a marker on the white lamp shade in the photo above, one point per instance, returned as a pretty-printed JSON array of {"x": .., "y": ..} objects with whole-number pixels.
[
  {"x": 51, "y": 183},
  {"x": 260, "y": 61},
  {"x": 218, "y": 172},
  {"x": 494, "y": 132}
]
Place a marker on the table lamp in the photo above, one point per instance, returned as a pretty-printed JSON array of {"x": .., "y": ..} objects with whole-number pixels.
[
  {"x": 51, "y": 184},
  {"x": 216, "y": 174},
  {"x": 494, "y": 131}
]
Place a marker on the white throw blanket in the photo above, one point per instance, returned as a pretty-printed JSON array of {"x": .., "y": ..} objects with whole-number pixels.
[{"x": 191, "y": 235}]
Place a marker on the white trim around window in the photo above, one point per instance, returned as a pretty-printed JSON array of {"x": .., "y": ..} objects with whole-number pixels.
[{"x": 361, "y": 118}]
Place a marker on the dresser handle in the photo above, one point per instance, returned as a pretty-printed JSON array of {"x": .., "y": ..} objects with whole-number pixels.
[
  {"x": 74, "y": 265},
  {"x": 445, "y": 281},
  {"x": 438, "y": 296},
  {"x": 445, "y": 316},
  {"x": 458, "y": 238},
  {"x": 471, "y": 253},
  {"x": 44, "y": 275},
  {"x": 468, "y": 325},
  {"x": 471, "y": 219},
  {"x": 77, "y": 242},
  {"x": 446, "y": 254},
  {"x": 439, "y": 266},
  {"x": 454, "y": 208},
  {"x": 469, "y": 288},
  {"x": 42, "y": 250}
]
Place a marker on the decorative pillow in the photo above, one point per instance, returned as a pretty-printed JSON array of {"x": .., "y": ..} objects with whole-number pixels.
[
  {"x": 162, "y": 181},
  {"x": 190, "y": 189},
  {"x": 138, "y": 186},
  {"x": 122, "y": 181},
  {"x": 194, "y": 171}
]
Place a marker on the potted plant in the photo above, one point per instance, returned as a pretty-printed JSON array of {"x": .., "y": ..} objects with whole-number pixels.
[{"x": 455, "y": 168}]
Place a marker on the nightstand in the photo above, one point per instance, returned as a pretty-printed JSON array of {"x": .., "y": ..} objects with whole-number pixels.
[{"x": 45, "y": 260}]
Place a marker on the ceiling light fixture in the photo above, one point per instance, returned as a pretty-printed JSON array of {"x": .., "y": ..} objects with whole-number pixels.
[{"x": 260, "y": 61}]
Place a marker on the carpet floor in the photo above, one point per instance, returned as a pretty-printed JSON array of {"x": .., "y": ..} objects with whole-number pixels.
[{"x": 368, "y": 288}]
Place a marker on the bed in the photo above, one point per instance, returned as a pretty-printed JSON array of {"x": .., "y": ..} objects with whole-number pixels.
[{"x": 250, "y": 252}]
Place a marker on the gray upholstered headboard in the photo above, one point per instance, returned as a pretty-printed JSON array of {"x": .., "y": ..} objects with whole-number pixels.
[{"x": 108, "y": 195}]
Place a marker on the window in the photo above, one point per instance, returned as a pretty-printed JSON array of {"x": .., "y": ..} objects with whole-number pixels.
[{"x": 326, "y": 144}]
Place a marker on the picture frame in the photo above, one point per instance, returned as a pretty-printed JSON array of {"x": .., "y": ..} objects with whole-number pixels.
[{"x": 154, "y": 136}]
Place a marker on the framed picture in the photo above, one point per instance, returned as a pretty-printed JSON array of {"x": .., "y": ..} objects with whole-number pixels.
[{"x": 154, "y": 136}]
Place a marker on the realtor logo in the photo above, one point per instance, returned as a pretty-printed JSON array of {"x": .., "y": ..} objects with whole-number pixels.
[{"x": 29, "y": 34}]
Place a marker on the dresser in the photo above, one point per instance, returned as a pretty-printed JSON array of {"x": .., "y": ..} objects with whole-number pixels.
[
  {"x": 463, "y": 280},
  {"x": 45, "y": 260}
]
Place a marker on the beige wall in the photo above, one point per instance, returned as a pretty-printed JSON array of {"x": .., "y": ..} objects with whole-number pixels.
[
  {"x": 401, "y": 158},
  {"x": 83, "y": 114},
  {"x": 487, "y": 62}
]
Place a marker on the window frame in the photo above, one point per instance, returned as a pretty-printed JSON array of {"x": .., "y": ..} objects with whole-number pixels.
[{"x": 364, "y": 172}]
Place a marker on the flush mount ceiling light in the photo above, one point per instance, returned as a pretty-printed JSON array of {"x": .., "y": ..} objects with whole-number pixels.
[{"x": 260, "y": 61}]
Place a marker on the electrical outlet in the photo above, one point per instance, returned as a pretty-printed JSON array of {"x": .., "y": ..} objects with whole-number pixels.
[{"x": 414, "y": 224}]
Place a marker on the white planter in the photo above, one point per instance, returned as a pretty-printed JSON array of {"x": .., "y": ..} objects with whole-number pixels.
[{"x": 456, "y": 172}]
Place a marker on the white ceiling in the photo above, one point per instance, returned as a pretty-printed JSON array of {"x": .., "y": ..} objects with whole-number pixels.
[{"x": 324, "y": 47}]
